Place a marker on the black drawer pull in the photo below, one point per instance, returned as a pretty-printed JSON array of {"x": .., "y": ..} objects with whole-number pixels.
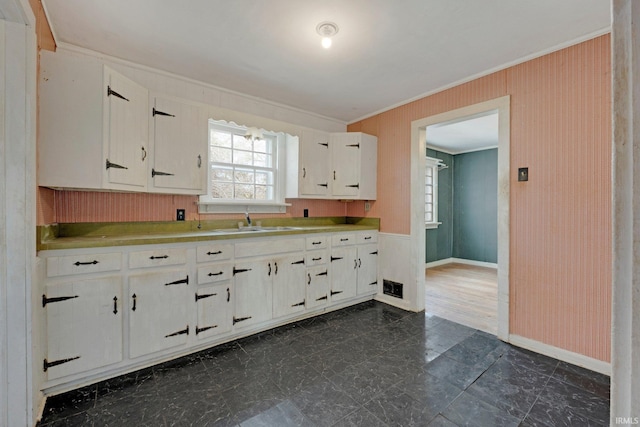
[
  {"x": 346, "y": 239},
  {"x": 159, "y": 257},
  {"x": 94, "y": 262},
  {"x": 219, "y": 273},
  {"x": 367, "y": 238},
  {"x": 214, "y": 253},
  {"x": 316, "y": 243},
  {"x": 316, "y": 259}
]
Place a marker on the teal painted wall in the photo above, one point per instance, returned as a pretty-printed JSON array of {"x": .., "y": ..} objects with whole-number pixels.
[{"x": 467, "y": 208}]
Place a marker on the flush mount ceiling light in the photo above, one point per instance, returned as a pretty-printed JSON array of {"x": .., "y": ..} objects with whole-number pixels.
[{"x": 327, "y": 30}]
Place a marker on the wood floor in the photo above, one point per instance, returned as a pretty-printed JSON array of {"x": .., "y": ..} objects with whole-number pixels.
[{"x": 464, "y": 294}]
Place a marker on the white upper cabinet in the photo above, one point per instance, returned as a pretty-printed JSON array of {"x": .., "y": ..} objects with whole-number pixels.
[
  {"x": 336, "y": 166},
  {"x": 315, "y": 164},
  {"x": 179, "y": 148},
  {"x": 125, "y": 121}
]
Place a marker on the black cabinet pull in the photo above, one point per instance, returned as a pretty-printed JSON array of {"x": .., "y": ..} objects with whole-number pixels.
[
  {"x": 304, "y": 172},
  {"x": 308, "y": 279},
  {"x": 155, "y": 173},
  {"x": 240, "y": 270},
  {"x": 219, "y": 273},
  {"x": 46, "y": 365},
  {"x": 316, "y": 243},
  {"x": 373, "y": 283},
  {"x": 203, "y": 296},
  {"x": 214, "y": 253},
  {"x": 144, "y": 154},
  {"x": 298, "y": 304},
  {"x": 276, "y": 265},
  {"x": 324, "y": 273},
  {"x": 367, "y": 238},
  {"x": 199, "y": 161},
  {"x": 204, "y": 328},
  {"x": 298, "y": 262},
  {"x": 321, "y": 298},
  {"x": 334, "y": 175},
  {"x": 135, "y": 299},
  {"x": 179, "y": 282},
  {"x": 182, "y": 332},
  {"x": 114, "y": 93},
  {"x": 346, "y": 239},
  {"x": 336, "y": 292},
  {"x": 228, "y": 295},
  {"x": 115, "y": 305},
  {"x": 335, "y": 258},
  {"x": 316, "y": 259},
  {"x": 78, "y": 263},
  {"x": 159, "y": 257},
  {"x": 359, "y": 263},
  {"x": 269, "y": 274},
  {"x": 355, "y": 264},
  {"x": 353, "y": 186},
  {"x": 353, "y": 145},
  {"x": 46, "y": 300},
  {"x": 240, "y": 319},
  {"x": 325, "y": 185},
  {"x": 115, "y": 165}
]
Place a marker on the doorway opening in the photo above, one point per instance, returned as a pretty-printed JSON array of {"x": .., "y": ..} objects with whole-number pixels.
[{"x": 420, "y": 135}]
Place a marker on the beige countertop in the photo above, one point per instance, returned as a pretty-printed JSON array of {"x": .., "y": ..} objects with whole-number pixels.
[{"x": 98, "y": 235}]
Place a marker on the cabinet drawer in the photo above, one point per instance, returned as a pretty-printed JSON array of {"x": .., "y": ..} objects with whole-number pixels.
[
  {"x": 316, "y": 242},
  {"x": 316, "y": 258},
  {"x": 83, "y": 264},
  {"x": 215, "y": 252},
  {"x": 157, "y": 258},
  {"x": 214, "y": 273},
  {"x": 343, "y": 239},
  {"x": 367, "y": 237},
  {"x": 267, "y": 246}
]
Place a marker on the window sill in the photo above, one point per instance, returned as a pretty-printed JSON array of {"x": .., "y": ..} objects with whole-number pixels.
[
  {"x": 431, "y": 225},
  {"x": 237, "y": 207}
]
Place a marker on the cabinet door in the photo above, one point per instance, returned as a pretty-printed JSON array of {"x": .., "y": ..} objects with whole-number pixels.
[
  {"x": 157, "y": 311},
  {"x": 367, "y": 269},
  {"x": 180, "y": 148},
  {"x": 215, "y": 316},
  {"x": 314, "y": 164},
  {"x": 84, "y": 325},
  {"x": 344, "y": 272},
  {"x": 317, "y": 286},
  {"x": 252, "y": 287},
  {"x": 346, "y": 164},
  {"x": 127, "y": 133},
  {"x": 289, "y": 285}
]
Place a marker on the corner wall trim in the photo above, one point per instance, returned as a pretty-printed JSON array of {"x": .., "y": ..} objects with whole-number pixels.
[{"x": 561, "y": 354}]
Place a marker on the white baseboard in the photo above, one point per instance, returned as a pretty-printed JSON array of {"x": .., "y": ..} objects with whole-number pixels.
[
  {"x": 561, "y": 354},
  {"x": 461, "y": 261},
  {"x": 396, "y": 302}
]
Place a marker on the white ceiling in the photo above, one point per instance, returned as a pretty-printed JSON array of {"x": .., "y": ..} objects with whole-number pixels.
[
  {"x": 474, "y": 133},
  {"x": 386, "y": 52}
]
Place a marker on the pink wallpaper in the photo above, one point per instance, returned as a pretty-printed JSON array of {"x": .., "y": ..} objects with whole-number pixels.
[{"x": 560, "y": 267}]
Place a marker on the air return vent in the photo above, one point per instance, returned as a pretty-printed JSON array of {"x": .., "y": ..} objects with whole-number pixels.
[{"x": 392, "y": 288}]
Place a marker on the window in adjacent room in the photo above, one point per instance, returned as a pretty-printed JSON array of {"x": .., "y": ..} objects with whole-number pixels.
[
  {"x": 244, "y": 170},
  {"x": 431, "y": 193}
]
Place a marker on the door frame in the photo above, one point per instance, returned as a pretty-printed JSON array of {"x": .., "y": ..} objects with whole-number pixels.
[{"x": 418, "y": 165}]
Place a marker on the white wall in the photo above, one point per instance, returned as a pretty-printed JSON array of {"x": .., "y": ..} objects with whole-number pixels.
[{"x": 17, "y": 211}]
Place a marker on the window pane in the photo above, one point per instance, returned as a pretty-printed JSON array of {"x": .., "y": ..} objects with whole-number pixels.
[
  {"x": 262, "y": 192},
  {"x": 243, "y": 158},
  {"x": 429, "y": 180},
  {"x": 264, "y": 178},
  {"x": 428, "y": 217},
  {"x": 244, "y": 192},
  {"x": 219, "y": 154},
  {"x": 221, "y": 190},
  {"x": 260, "y": 146},
  {"x": 244, "y": 176},
  {"x": 429, "y": 190},
  {"x": 221, "y": 174},
  {"x": 263, "y": 160},
  {"x": 241, "y": 143},
  {"x": 428, "y": 198},
  {"x": 220, "y": 139}
]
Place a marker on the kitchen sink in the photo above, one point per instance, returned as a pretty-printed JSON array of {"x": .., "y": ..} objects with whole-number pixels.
[{"x": 254, "y": 229}]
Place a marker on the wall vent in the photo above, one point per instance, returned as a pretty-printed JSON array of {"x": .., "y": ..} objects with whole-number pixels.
[{"x": 392, "y": 288}]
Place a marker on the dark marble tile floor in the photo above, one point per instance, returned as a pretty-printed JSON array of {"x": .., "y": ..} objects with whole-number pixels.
[{"x": 367, "y": 365}]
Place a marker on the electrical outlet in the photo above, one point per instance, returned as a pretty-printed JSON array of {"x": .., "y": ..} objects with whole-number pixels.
[
  {"x": 306, "y": 213},
  {"x": 180, "y": 215},
  {"x": 523, "y": 174},
  {"x": 367, "y": 206}
]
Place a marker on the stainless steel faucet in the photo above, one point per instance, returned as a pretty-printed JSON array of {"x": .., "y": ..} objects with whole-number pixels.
[{"x": 246, "y": 214}]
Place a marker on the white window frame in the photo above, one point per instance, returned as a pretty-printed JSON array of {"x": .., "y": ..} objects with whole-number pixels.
[
  {"x": 208, "y": 204},
  {"x": 433, "y": 165}
]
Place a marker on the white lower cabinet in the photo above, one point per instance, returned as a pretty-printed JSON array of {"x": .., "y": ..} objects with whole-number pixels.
[
  {"x": 84, "y": 325},
  {"x": 115, "y": 309},
  {"x": 367, "y": 269},
  {"x": 158, "y": 316},
  {"x": 289, "y": 285},
  {"x": 344, "y": 272},
  {"x": 214, "y": 307}
]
